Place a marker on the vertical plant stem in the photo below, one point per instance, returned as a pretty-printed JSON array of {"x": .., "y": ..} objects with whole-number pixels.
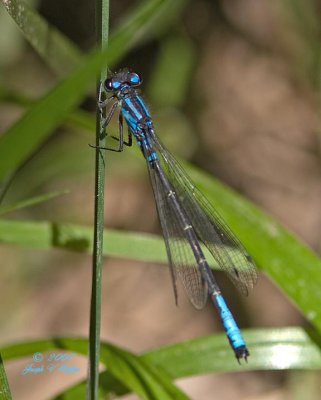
[
  {"x": 4, "y": 385},
  {"x": 102, "y": 28}
]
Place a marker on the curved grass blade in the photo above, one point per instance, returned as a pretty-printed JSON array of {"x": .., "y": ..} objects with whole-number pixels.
[
  {"x": 47, "y": 235},
  {"x": 272, "y": 349},
  {"x": 5, "y": 209},
  {"x": 142, "y": 23},
  {"x": 139, "y": 375},
  {"x": 37, "y": 123},
  {"x": 53, "y": 108},
  {"x": 54, "y": 47},
  {"x": 135, "y": 373}
]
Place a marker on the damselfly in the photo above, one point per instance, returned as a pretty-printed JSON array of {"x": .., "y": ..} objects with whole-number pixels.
[{"x": 186, "y": 216}]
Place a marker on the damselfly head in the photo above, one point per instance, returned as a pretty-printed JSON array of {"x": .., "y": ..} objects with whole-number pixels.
[{"x": 121, "y": 79}]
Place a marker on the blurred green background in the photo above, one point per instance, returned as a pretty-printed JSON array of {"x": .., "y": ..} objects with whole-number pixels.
[{"x": 233, "y": 88}]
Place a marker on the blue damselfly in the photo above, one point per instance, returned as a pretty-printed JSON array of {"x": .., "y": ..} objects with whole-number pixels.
[{"x": 186, "y": 216}]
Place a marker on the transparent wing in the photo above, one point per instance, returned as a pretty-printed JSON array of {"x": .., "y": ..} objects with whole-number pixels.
[
  {"x": 209, "y": 226},
  {"x": 181, "y": 258}
]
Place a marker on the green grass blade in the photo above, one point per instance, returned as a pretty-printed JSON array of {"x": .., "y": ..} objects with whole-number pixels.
[
  {"x": 102, "y": 35},
  {"x": 46, "y": 235},
  {"x": 271, "y": 349},
  {"x": 5, "y": 209},
  {"x": 78, "y": 118},
  {"x": 58, "y": 51},
  {"x": 142, "y": 377},
  {"x": 145, "y": 21},
  {"x": 261, "y": 341},
  {"x": 5, "y": 393},
  {"x": 27, "y": 134},
  {"x": 135, "y": 373}
]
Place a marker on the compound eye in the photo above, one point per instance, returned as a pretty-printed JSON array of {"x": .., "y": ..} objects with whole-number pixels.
[
  {"x": 116, "y": 84},
  {"x": 108, "y": 84},
  {"x": 135, "y": 79}
]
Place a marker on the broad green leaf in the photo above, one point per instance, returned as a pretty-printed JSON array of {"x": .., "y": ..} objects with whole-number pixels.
[
  {"x": 58, "y": 51},
  {"x": 5, "y": 209},
  {"x": 135, "y": 373},
  {"x": 271, "y": 349}
]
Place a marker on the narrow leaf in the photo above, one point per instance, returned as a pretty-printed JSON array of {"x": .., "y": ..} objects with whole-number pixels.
[
  {"x": 5, "y": 209},
  {"x": 46, "y": 235},
  {"x": 271, "y": 349},
  {"x": 138, "y": 375},
  {"x": 58, "y": 51}
]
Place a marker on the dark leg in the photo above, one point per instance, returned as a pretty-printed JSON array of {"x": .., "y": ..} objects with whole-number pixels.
[
  {"x": 102, "y": 104},
  {"x": 130, "y": 139},
  {"x": 120, "y": 139},
  {"x": 105, "y": 121},
  {"x": 121, "y": 136}
]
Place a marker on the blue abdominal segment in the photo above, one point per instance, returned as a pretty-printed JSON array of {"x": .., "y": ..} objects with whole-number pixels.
[
  {"x": 152, "y": 157},
  {"x": 232, "y": 330}
]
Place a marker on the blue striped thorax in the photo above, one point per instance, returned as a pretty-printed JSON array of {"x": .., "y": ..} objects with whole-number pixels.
[{"x": 134, "y": 110}]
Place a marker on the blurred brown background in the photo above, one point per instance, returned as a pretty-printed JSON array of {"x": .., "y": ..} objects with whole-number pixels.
[{"x": 249, "y": 116}]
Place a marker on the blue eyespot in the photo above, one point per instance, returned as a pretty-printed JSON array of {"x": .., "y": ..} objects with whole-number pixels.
[
  {"x": 116, "y": 84},
  {"x": 122, "y": 80},
  {"x": 112, "y": 84},
  {"x": 134, "y": 79}
]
